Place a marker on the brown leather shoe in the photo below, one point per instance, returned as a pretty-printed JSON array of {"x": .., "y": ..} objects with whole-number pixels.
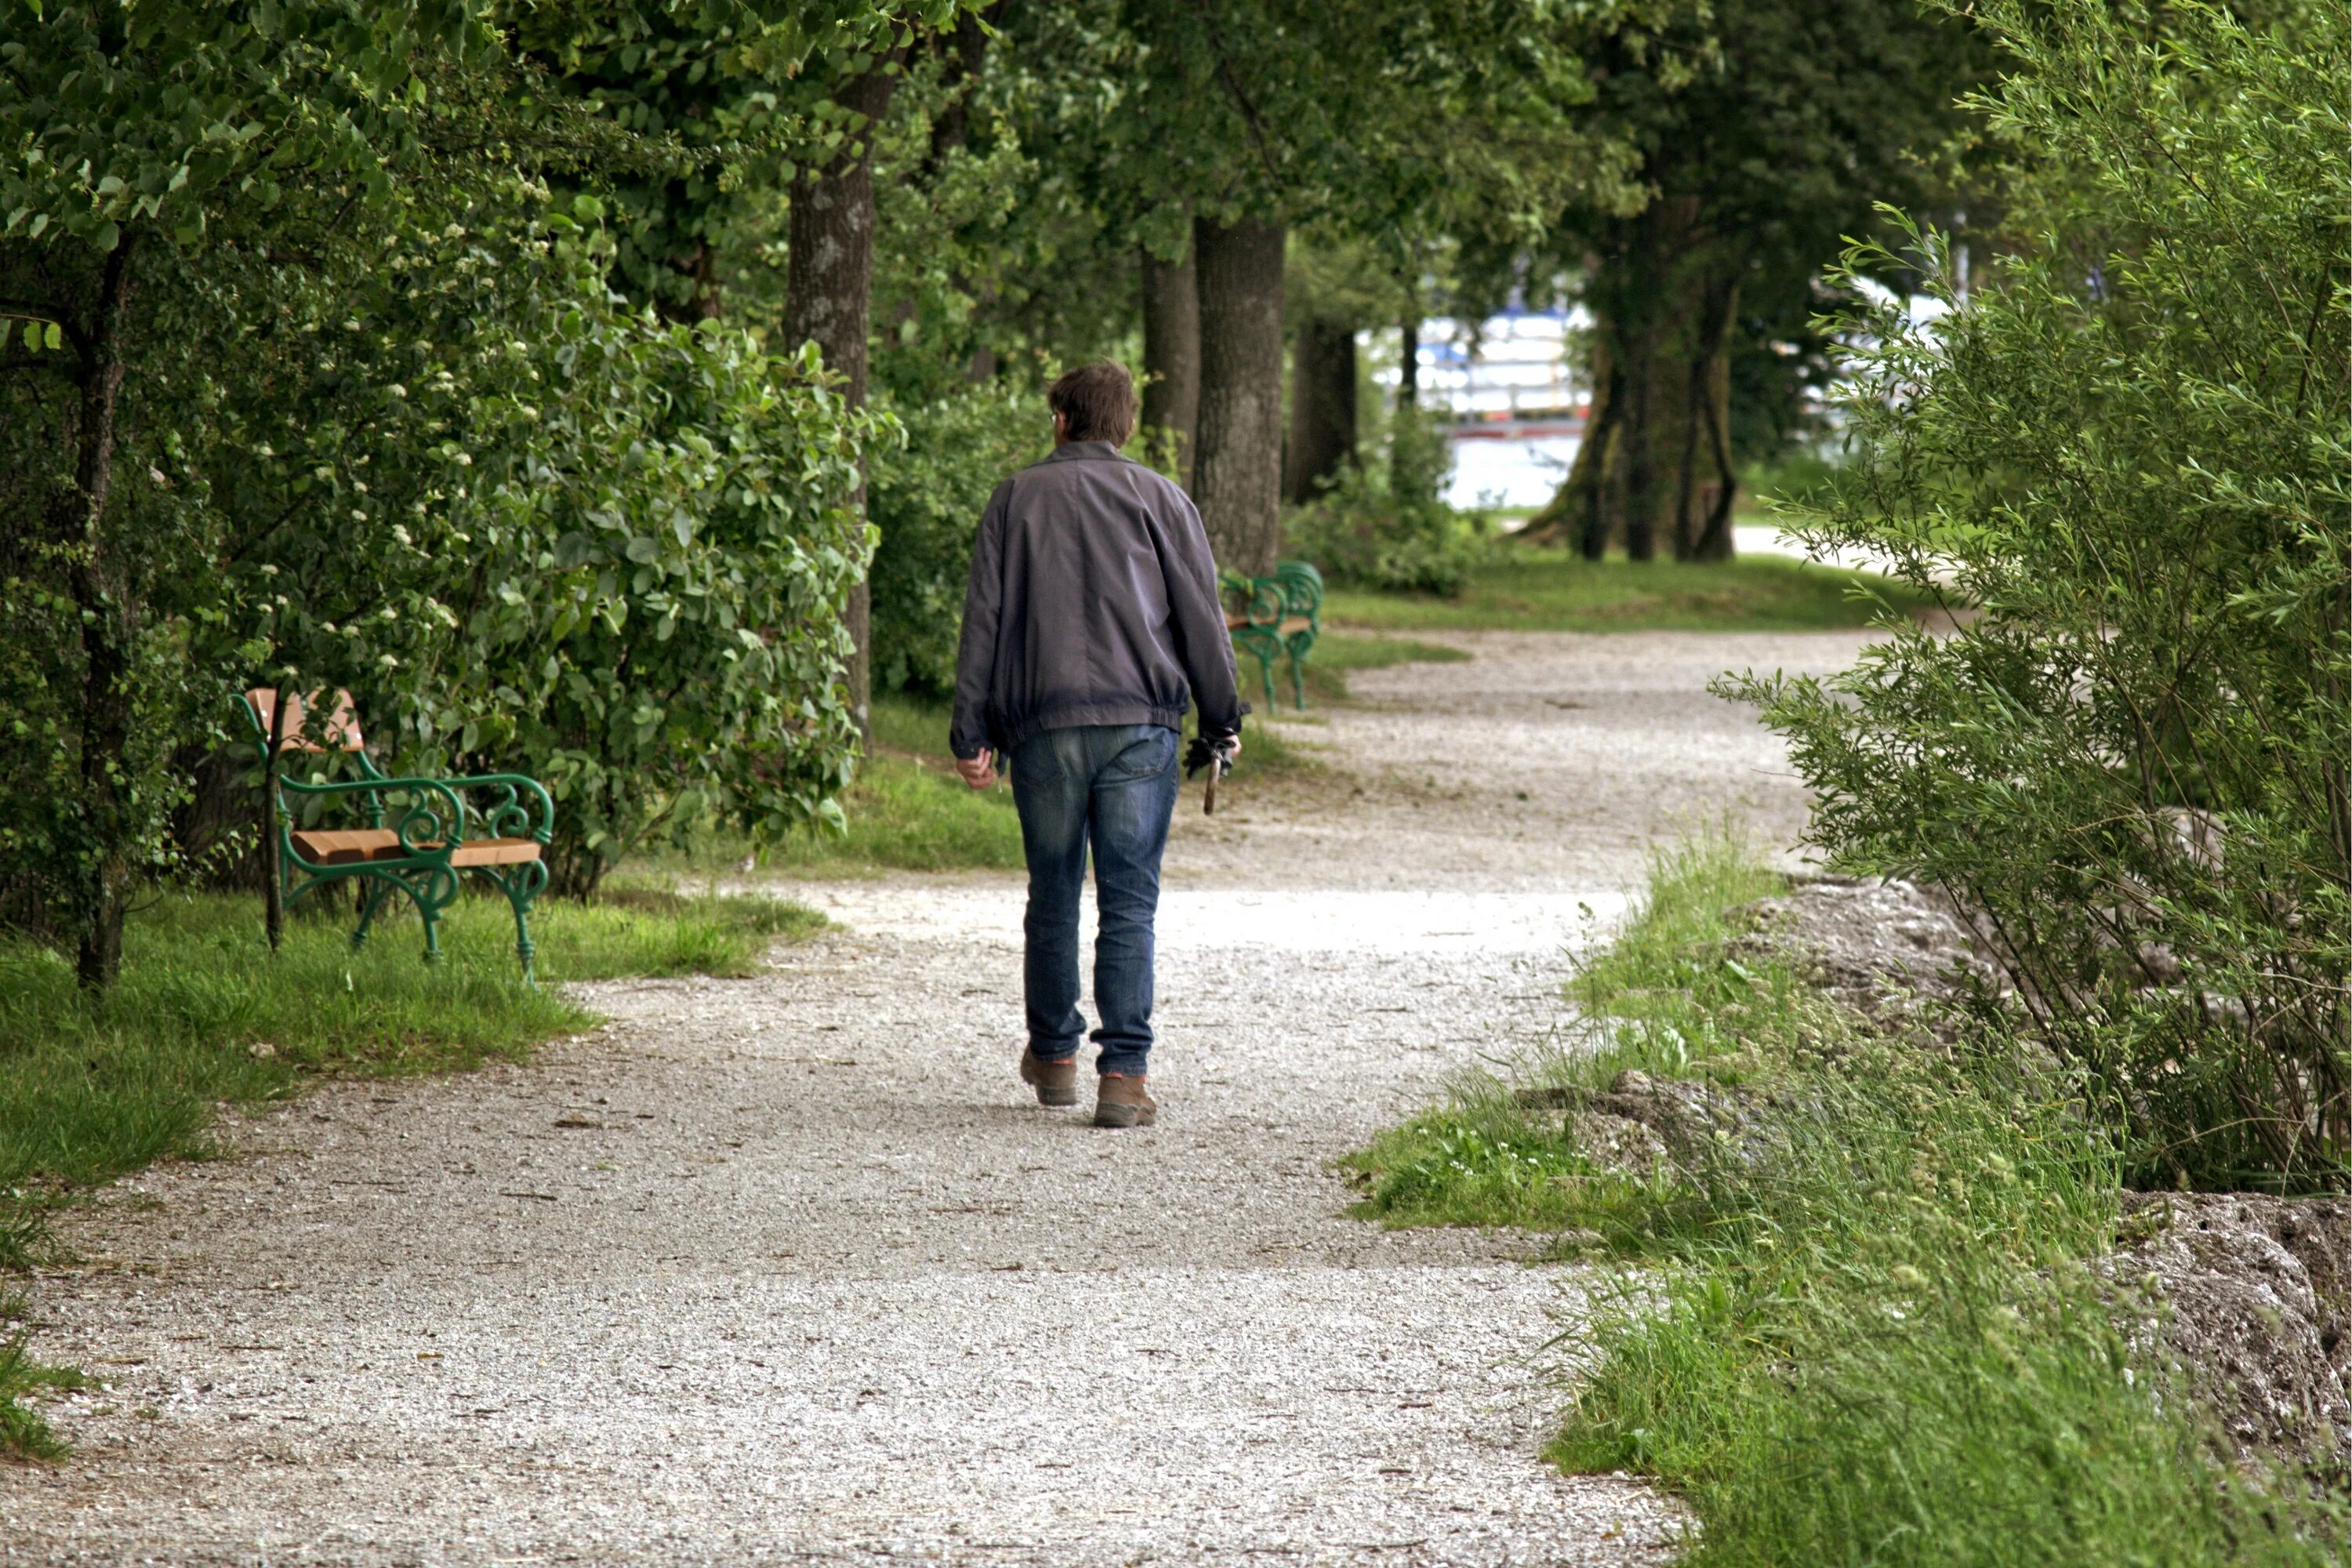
[
  {"x": 1120, "y": 1102},
  {"x": 1056, "y": 1082}
]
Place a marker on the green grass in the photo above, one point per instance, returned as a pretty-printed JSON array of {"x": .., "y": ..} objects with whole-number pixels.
[
  {"x": 1557, "y": 591},
  {"x": 908, "y": 810},
  {"x": 203, "y": 1013},
  {"x": 1869, "y": 1338}
]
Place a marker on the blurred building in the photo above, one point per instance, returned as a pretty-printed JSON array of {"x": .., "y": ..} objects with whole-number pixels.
[{"x": 1515, "y": 403}]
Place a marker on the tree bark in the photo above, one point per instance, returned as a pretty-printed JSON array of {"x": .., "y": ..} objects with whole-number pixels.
[
  {"x": 827, "y": 288},
  {"x": 273, "y": 873},
  {"x": 1322, "y": 409},
  {"x": 1171, "y": 356},
  {"x": 108, "y": 624},
  {"x": 1654, "y": 466},
  {"x": 1237, "y": 475}
]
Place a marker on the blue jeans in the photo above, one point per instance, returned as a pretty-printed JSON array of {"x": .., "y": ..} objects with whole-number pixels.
[{"x": 1113, "y": 786}]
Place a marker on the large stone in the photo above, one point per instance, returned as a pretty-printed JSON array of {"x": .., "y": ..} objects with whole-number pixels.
[
  {"x": 1641, "y": 1120},
  {"x": 2252, "y": 1306},
  {"x": 1874, "y": 945}
]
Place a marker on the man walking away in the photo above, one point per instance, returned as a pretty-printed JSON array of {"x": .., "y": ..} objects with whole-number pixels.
[{"x": 1091, "y": 625}]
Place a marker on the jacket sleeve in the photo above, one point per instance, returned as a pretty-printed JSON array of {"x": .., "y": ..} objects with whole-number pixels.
[
  {"x": 1202, "y": 642},
  {"x": 984, "y": 605}
]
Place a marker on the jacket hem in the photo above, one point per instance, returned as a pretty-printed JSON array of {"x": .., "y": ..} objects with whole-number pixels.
[{"x": 1011, "y": 736}]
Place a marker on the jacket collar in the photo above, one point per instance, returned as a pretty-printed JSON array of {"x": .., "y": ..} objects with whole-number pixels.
[{"x": 1085, "y": 451}]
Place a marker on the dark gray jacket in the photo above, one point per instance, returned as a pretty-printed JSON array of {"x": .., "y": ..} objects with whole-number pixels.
[{"x": 1093, "y": 601}]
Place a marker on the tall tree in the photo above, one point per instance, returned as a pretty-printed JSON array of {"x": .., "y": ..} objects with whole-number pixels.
[
  {"x": 828, "y": 297},
  {"x": 1172, "y": 353},
  {"x": 1362, "y": 116},
  {"x": 1237, "y": 476},
  {"x": 1322, "y": 438},
  {"x": 1766, "y": 130}
]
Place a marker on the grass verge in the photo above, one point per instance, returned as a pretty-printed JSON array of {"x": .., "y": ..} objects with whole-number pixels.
[
  {"x": 1544, "y": 590},
  {"x": 1868, "y": 1332},
  {"x": 203, "y": 1013}
]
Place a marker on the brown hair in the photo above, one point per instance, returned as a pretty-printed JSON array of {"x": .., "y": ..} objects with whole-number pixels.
[{"x": 1097, "y": 401}]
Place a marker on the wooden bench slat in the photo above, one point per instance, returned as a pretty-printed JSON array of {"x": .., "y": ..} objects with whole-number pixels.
[
  {"x": 495, "y": 852},
  {"x": 345, "y": 847},
  {"x": 349, "y": 846}
]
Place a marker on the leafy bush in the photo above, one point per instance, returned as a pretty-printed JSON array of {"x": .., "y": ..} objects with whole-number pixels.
[
  {"x": 925, "y": 498},
  {"x": 323, "y": 426},
  {"x": 1385, "y": 524},
  {"x": 2129, "y": 445}
]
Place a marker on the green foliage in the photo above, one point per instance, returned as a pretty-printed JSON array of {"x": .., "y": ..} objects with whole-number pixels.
[
  {"x": 718, "y": 99},
  {"x": 397, "y": 435},
  {"x": 1536, "y": 590},
  {"x": 1864, "y": 1331},
  {"x": 551, "y": 536},
  {"x": 1384, "y": 525},
  {"x": 2128, "y": 445},
  {"x": 1878, "y": 1349},
  {"x": 111, "y": 124},
  {"x": 926, "y": 499}
]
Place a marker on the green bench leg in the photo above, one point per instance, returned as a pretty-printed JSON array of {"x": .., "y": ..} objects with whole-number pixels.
[
  {"x": 521, "y": 887},
  {"x": 370, "y": 899},
  {"x": 1297, "y": 681}
]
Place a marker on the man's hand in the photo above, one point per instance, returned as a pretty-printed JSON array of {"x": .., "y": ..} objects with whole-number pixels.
[
  {"x": 1224, "y": 750},
  {"x": 979, "y": 772}
]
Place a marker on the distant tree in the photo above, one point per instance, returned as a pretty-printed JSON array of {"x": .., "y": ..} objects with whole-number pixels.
[
  {"x": 1215, "y": 128},
  {"x": 1765, "y": 131}
]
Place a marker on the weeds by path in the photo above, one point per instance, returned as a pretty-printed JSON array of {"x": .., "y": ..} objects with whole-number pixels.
[
  {"x": 90, "y": 1090},
  {"x": 1534, "y": 590},
  {"x": 1868, "y": 1336}
]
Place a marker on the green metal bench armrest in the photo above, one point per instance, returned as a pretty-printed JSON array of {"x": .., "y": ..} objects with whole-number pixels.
[
  {"x": 511, "y": 811},
  {"x": 424, "y": 831},
  {"x": 495, "y": 819}
]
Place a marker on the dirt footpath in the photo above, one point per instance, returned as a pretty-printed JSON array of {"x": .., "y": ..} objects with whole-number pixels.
[{"x": 788, "y": 1270}]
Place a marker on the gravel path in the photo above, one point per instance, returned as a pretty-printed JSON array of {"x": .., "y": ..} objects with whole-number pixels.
[{"x": 786, "y": 1269}]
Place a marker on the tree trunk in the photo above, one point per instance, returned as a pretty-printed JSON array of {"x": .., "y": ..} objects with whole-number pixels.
[
  {"x": 1171, "y": 356},
  {"x": 1237, "y": 476},
  {"x": 1322, "y": 409},
  {"x": 829, "y": 277},
  {"x": 1654, "y": 466},
  {"x": 1409, "y": 363},
  {"x": 1708, "y": 525},
  {"x": 109, "y": 624},
  {"x": 1581, "y": 511},
  {"x": 273, "y": 873}
]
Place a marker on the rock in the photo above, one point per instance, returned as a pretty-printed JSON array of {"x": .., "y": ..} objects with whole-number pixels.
[
  {"x": 1639, "y": 1122},
  {"x": 2254, "y": 1310},
  {"x": 1617, "y": 1143},
  {"x": 1874, "y": 945}
]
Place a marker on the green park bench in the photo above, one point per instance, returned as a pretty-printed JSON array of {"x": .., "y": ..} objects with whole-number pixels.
[
  {"x": 439, "y": 829},
  {"x": 1278, "y": 615}
]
